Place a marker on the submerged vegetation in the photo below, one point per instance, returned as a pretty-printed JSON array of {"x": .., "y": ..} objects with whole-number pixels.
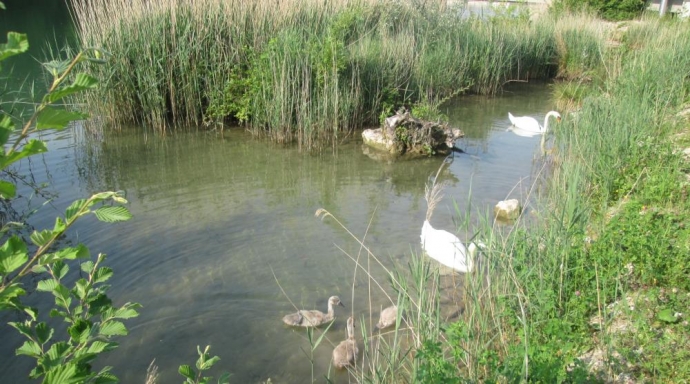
[{"x": 311, "y": 71}]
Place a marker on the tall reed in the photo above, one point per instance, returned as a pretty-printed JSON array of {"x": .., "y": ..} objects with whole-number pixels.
[{"x": 298, "y": 70}]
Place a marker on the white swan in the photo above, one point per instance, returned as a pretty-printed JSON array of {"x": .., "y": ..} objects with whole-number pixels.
[
  {"x": 447, "y": 249},
  {"x": 441, "y": 245},
  {"x": 527, "y": 126}
]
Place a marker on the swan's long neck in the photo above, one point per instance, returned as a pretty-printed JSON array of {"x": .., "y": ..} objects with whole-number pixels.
[
  {"x": 350, "y": 330},
  {"x": 330, "y": 312},
  {"x": 546, "y": 120}
]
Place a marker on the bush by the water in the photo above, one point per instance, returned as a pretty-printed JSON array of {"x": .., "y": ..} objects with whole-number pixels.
[{"x": 608, "y": 9}]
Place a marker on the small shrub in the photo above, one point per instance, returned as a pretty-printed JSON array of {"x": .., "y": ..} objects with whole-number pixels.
[{"x": 608, "y": 9}]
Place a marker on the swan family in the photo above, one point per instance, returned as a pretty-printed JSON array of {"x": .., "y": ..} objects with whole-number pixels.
[
  {"x": 345, "y": 353},
  {"x": 438, "y": 244}
]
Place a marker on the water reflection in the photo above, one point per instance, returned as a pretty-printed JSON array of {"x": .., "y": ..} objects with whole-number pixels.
[{"x": 215, "y": 216}]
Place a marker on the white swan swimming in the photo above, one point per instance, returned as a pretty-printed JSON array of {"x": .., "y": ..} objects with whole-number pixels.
[
  {"x": 447, "y": 249},
  {"x": 527, "y": 126},
  {"x": 441, "y": 245}
]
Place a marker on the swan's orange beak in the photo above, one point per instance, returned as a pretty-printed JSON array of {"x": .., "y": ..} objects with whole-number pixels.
[{"x": 559, "y": 119}]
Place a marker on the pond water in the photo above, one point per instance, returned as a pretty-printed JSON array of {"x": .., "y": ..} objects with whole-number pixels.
[
  {"x": 224, "y": 229},
  {"x": 222, "y": 222}
]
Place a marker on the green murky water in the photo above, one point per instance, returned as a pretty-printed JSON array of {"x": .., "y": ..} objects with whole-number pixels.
[{"x": 216, "y": 216}]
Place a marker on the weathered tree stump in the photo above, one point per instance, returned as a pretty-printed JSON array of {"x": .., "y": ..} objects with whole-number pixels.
[{"x": 404, "y": 135}]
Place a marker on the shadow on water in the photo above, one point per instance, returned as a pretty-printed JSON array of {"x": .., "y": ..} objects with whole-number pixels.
[
  {"x": 45, "y": 23},
  {"x": 214, "y": 215}
]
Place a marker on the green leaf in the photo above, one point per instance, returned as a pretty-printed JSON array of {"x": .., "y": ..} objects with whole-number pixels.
[
  {"x": 59, "y": 226},
  {"x": 112, "y": 214},
  {"x": 29, "y": 348},
  {"x": 209, "y": 363},
  {"x": 127, "y": 311},
  {"x": 41, "y": 238},
  {"x": 102, "y": 275},
  {"x": 47, "y": 285},
  {"x": 113, "y": 328},
  {"x": 81, "y": 82},
  {"x": 60, "y": 269},
  {"x": 56, "y": 354},
  {"x": 57, "y": 118},
  {"x": 87, "y": 266},
  {"x": 33, "y": 147},
  {"x": 56, "y": 67},
  {"x": 37, "y": 372},
  {"x": 16, "y": 43},
  {"x": 187, "y": 371},
  {"x": 6, "y": 129},
  {"x": 9, "y": 297},
  {"x": 101, "y": 346},
  {"x": 11, "y": 291},
  {"x": 80, "y": 288},
  {"x": 64, "y": 374},
  {"x": 99, "y": 303},
  {"x": 13, "y": 255},
  {"x": 74, "y": 208},
  {"x": 667, "y": 315},
  {"x": 58, "y": 290},
  {"x": 23, "y": 328},
  {"x": 224, "y": 378},
  {"x": 106, "y": 378},
  {"x": 43, "y": 332},
  {"x": 55, "y": 313},
  {"x": 71, "y": 253},
  {"x": 32, "y": 312},
  {"x": 80, "y": 330},
  {"x": 7, "y": 189}
]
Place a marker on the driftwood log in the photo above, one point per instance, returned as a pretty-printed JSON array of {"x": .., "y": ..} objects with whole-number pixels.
[{"x": 404, "y": 135}]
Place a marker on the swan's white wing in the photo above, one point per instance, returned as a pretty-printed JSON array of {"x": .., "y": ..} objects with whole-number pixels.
[
  {"x": 444, "y": 247},
  {"x": 526, "y": 123}
]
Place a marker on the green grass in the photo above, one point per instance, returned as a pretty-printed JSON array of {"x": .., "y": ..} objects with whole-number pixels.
[{"x": 611, "y": 226}]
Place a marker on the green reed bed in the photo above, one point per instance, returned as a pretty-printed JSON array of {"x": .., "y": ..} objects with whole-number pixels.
[
  {"x": 302, "y": 70},
  {"x": 604, "y": 270}
]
